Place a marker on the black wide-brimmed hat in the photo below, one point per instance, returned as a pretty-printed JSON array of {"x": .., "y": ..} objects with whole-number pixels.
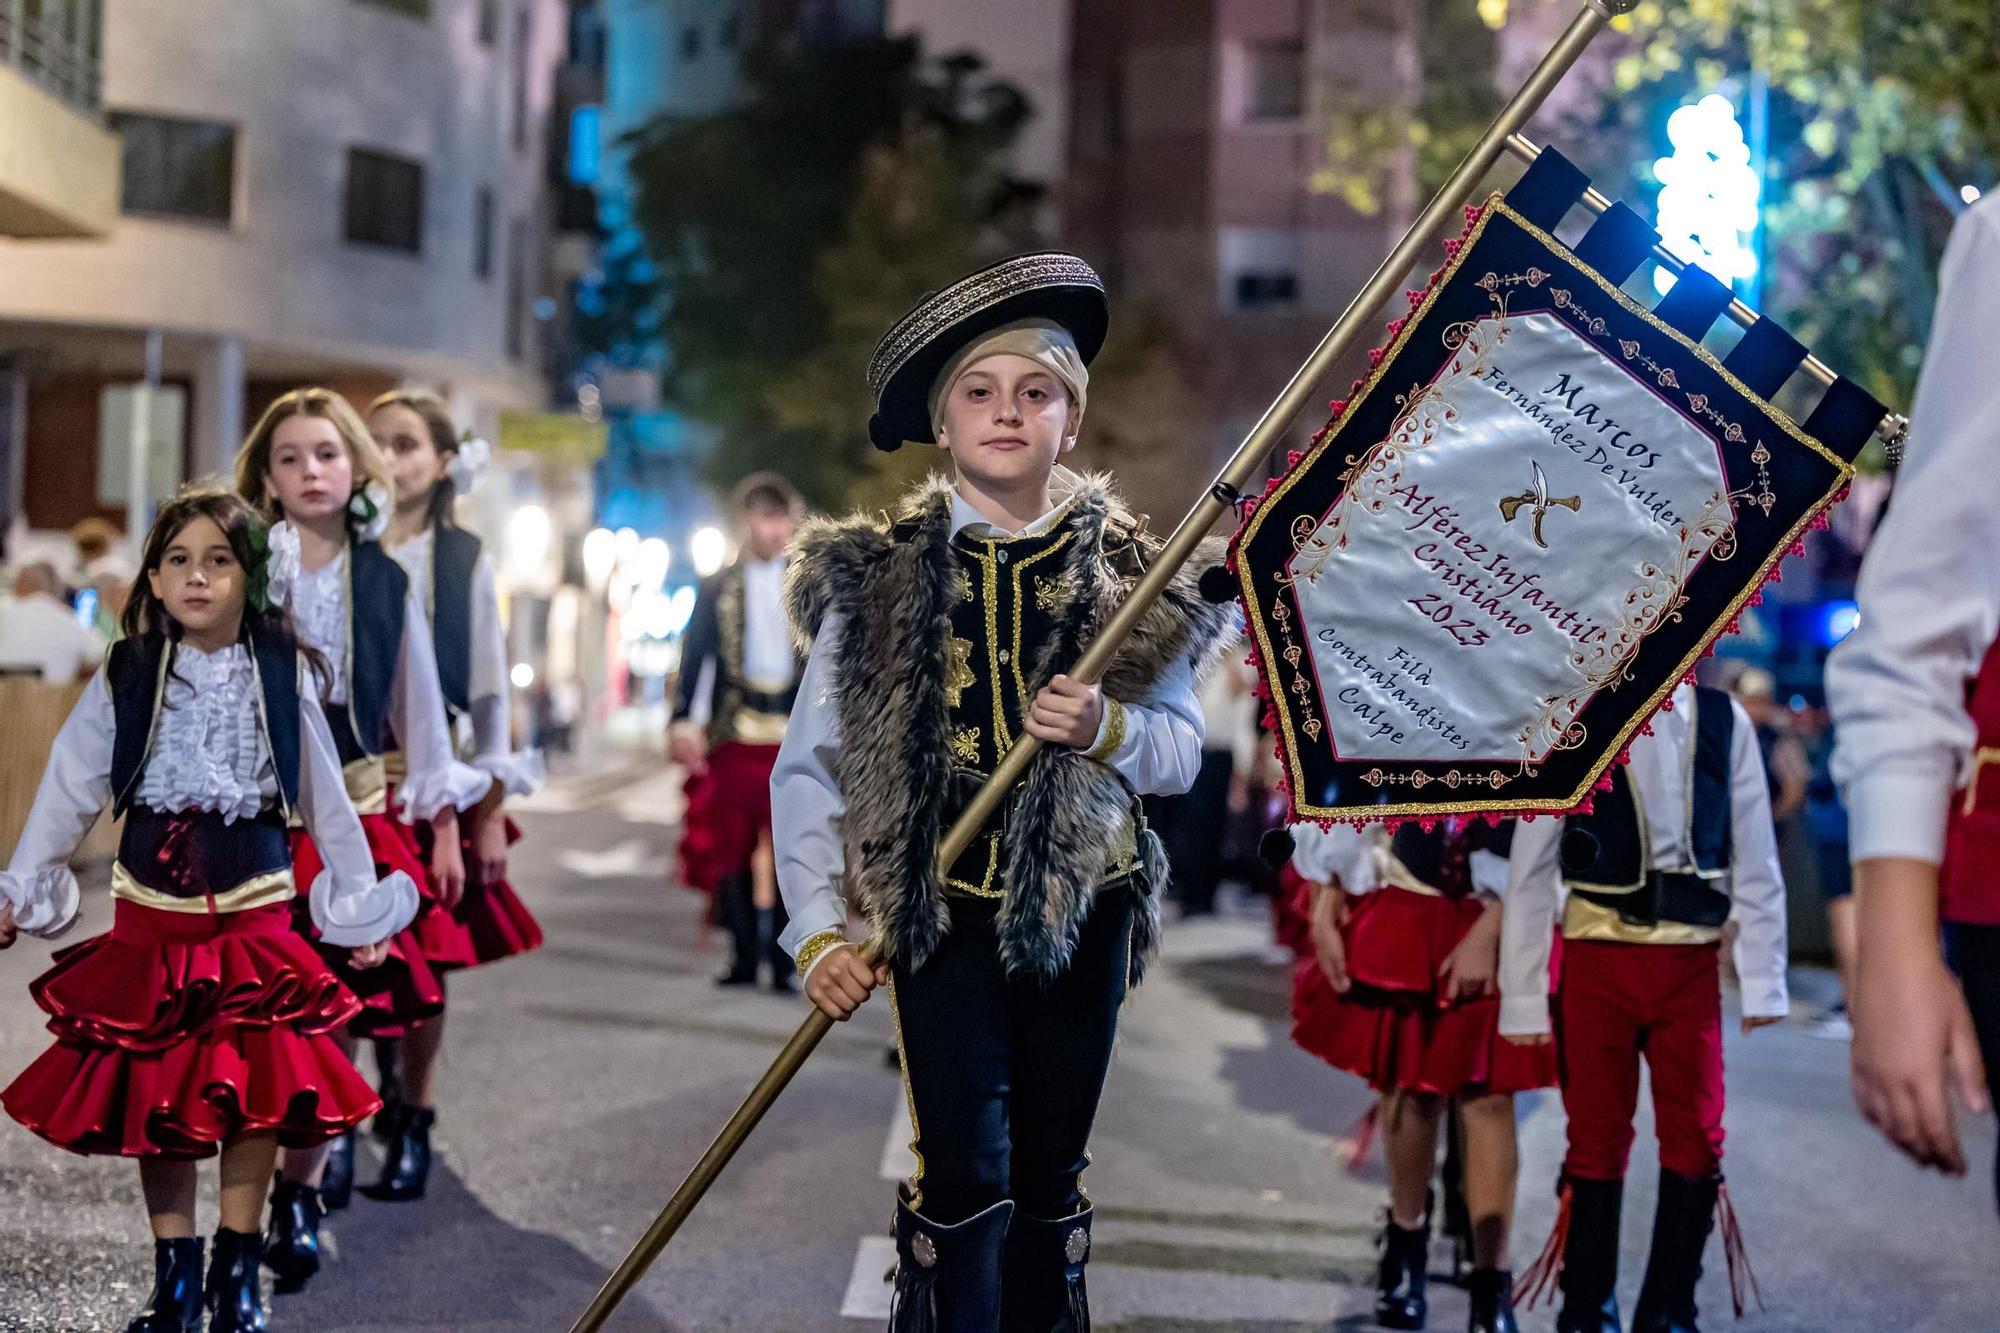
[{"x": 1047, "y": 285}]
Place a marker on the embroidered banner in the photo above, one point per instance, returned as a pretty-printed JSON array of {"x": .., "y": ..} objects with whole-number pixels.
[{"x": 1534, "y": 516}]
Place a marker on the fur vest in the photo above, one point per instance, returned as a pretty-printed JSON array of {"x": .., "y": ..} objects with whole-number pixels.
[{"x": 894, "y": 584}]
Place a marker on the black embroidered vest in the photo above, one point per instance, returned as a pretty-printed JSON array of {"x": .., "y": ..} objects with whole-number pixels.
[
  {"x": 454, "y": 559},
  {"x": 1440, "y": 858},
  {"x": 899, "y": 590},
  {"x": 1606, "y": 854},
  {"x": 136, "y": 675}
]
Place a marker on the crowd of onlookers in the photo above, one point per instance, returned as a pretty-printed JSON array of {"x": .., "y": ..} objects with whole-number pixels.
[{"x": 58, "y": 614}]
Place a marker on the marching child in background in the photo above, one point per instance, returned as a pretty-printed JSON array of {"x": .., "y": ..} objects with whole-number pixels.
[
  {"x": 1400, "y": 988},
  {"x": 311, "y": 462},
  {"x": 1645, "y": 883},
  {"x": 200, "y": 1023}
]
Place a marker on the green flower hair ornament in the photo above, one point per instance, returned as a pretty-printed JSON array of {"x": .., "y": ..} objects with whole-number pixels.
[{"x": 258, "y": 588}]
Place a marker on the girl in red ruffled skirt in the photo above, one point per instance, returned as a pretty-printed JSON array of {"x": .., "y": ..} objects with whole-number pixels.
[
  {"x": 199, "y": 1024},
  {"x": 1400, "y": 988}
]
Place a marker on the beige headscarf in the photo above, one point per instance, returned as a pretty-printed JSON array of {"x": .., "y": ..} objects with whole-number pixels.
[{"x": 1040, "y": 340}]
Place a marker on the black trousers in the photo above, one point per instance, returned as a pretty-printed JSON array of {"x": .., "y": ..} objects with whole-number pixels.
[
  {"x": 1004, "y": 1073},
  {"x": 1975, "y": 955},
  {"x": 1191, "y": 828}
]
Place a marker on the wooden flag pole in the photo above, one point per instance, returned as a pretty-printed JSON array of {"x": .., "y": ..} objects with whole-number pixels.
[{"x": 1359, "y": 320}]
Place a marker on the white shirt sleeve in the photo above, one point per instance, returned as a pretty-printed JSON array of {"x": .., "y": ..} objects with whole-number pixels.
[
  {"x": 1930, "y": 586},
  {"x": 1489, "y": 874},
  {"x": 806, "y": 804},
  {"x": 436, "y": 780},
  {"x": 1339, "y": 854},
  {"x": 75, "y": 788},
  {"x": 1161, "y": 752},
  {"x": 491, "y": 706},
  {"x": 1756, "y": 882},
  {"x": 1527, "y": 926},
  {"x": 350, "y": 907}
]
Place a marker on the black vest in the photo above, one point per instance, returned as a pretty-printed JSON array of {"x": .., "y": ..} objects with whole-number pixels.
[
  {"x": 454, "y": 558},
  {"x": 1439, "y": 859},
  {"x": 1603, "y": 852},
  {"x": 134, "y": 673},
  {"x": 379, "y": 590}
]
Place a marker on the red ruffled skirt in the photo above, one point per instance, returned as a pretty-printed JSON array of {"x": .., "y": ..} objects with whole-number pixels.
[
  {"x": 1389, "y": 1027},
  {"x": 728, "y": 810},
  {"x": 495, "y": 922},
  {"x": 177, "y": 1032},
  {"x": 405, "y": 990}
]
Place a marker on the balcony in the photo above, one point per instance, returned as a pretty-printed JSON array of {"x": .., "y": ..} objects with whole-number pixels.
[{"x": 59, "y": 165}]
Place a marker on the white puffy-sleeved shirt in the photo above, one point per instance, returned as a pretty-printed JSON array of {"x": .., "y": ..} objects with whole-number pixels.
[
  {"x": 436, "y": 780},
  {"x": 1159, "y": 756},
  {"x": 208, "y": 754},
  {"x": 1930, "y": 584},
  {"x": 519, "y": 772},
  {"x": 1352, "y": 858},
  {"x": 1658, "y": 769}
]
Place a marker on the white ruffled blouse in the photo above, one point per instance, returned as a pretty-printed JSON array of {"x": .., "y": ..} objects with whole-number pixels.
[
  {"x": 519, "y": 772},
  {"x": 208, "y": 753},
  {"x": 436, "y": 780}
]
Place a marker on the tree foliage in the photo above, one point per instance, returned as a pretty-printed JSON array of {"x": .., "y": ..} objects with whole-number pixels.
[{"x": 790, "y": 230}]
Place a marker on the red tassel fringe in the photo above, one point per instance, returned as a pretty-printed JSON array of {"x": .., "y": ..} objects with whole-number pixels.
[
  {"x": 1541, "y": 1279},
  {"x": 1742, "y": 1279}
]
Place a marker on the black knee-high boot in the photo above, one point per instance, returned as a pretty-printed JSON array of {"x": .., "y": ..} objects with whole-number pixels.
[
  {"x": 176, "y": 1303},
  {"x": 336, "y": 1183},
  {"x": 948, "y": 1278},
  {"x": 1681, "y": 1223},
  {"x": 1590, "y": 1258},
  {"x": 1042, "y": 1278},
  {"x": 406, "y": 1163}
]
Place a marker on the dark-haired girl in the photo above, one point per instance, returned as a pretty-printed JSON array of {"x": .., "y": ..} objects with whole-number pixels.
[{"x": 200, "y": 1023}]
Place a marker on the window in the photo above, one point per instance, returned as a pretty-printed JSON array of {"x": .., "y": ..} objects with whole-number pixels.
[
  {"x": 1276, "y": 81},
  {"x": 385, "y": 200},
  {"x": 691, "y": 43},
  {"x": 177, "y": 168},
  {"x": 489, "y": 22},
  {"x": 524, "y": 29},
  {"x": 482, "y": 232},
  {"x": 416, "y": 9},
  {"x": 1266, "y": 289}
]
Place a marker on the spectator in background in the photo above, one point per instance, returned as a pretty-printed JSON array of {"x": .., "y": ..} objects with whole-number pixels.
[
  {"x": 39, "y": 630},
  {"x": 1786, "y": 769},
  {"x": 100, "y": 550},
  {"x": 1826, "y": 820},
  {"x": 1192, "y": 825}
]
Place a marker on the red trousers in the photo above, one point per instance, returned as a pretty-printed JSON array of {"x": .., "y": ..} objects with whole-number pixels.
[{"x": 1615, "y": 1003}]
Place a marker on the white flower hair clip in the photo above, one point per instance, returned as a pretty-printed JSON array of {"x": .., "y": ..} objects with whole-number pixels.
[
  {"x": 469, "y": 463},
  {"x": 368, "y": 512},
  {"x": 281, "y": 565}
]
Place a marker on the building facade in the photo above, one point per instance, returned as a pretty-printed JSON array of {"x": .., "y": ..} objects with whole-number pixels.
[{"x": 347, "y": 192}]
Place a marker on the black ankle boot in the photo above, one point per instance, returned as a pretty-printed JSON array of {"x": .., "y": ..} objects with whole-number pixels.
[
  {"x": 1492, "y": 1292},
  {"x": 406, "y": 1169},
  {"x": 291, "y": 1241},
  {"x": 1681, "y": 1224},
  {"x": 176, "y": 1303},
  {"x": 1402, "y": 1272},
  {"x": 948, "y": 1278},
  {"x": 336, "y": 1183},
  {"x": 1042, "y": 1272},
  {"x": 235, "y": 1285},
  {"x": 1590, "y": 1258}
]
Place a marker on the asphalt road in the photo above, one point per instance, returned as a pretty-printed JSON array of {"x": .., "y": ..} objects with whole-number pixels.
[{"x": 584, "y": 1080}]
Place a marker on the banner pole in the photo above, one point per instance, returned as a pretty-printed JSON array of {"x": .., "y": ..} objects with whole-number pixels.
[{"x": 1358, "y": 320}]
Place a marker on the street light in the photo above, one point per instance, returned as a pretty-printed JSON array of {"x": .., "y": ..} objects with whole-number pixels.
[
  {"x": 1709, "y": 193},
  {"x": 655, "y": 556},
  {"x": 528, "y": 535},
  {"x": 600, "y": 557},
  {"x": 707, "y": 547}
]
